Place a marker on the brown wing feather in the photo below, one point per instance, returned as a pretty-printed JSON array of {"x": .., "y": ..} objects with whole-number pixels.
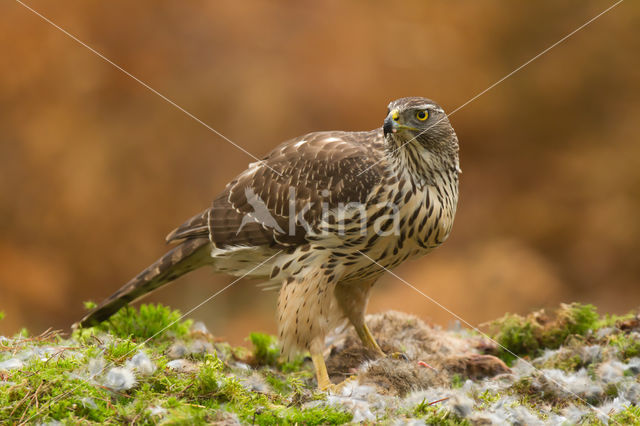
[{"x": 323, "y": 167}]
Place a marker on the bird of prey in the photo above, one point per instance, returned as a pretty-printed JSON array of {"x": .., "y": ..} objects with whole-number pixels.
[{"x": 321, "y": 217}]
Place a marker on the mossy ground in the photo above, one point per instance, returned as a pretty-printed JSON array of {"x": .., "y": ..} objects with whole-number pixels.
[
  {"x": 54, "y": 384},
  {"x": 529, "y": 336},
  {"x": 186, "y": 376}
]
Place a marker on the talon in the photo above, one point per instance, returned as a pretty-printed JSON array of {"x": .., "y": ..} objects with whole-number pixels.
[
  {"x": 338, "y": 389},
  {"x": 368, "y": 340},
  {"x": 399, "y": 355}
]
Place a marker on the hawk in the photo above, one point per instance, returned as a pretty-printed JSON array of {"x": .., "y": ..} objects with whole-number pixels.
[{"x": 321, "y": 217}]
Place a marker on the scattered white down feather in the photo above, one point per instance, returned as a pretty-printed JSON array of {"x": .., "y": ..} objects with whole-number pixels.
[
  {"x": 592, "y": 353},
  {"x": 362, "y": 401},
  {"x": 367, "y": 404},
  {"x": 156, "y": 410},
  {"x": 200, "y": 346},
  {"x": 615, "y": 406},
  {"x": 41, "y": 353},
  {"x": 95, "y": 367},
  {"x": 88, "y": 402},
  {"x": 630, "y": 391},
  {"x": 509, "y": 410},
  {"x": 254, "y": 382},
  {"x": 51, "y": 423},
  {"x": 570, "y": 384},
  {"x": 182, "y": 366},
  {"x": 119, "y": 379},
  {"x": 612, "y": 371},
  {"x": 199, "y": 327},
  {"x": 177, "y": 350},
  {"x": 11, "y": 364},
  {"x": 141, "y": 364}
]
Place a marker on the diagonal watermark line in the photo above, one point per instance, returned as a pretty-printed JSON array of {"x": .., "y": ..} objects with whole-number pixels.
[
  {"x": 145, "y": 85},
  {"x": 504, "y": 78},
  {"x": 206, "y": 300},
  {"x": 590, "y": 21},
  {"x": 138, "y": 346},
  {"x": 459, "y": 318}
]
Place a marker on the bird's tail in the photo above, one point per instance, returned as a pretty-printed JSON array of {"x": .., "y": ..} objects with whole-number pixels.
[{"x": 189, "y": 255}]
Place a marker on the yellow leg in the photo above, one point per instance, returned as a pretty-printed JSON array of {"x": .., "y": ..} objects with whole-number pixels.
[
  {"x": 321, "y": 372},
  {"x": 367, "y": 339}
]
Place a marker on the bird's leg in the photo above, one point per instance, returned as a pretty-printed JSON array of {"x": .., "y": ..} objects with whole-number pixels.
[
  {"x": 321, "y": 371},
  {"x": 304, "y": 306},
  {"x": 370, "y": 342},
  {"x": 352, "y": 299},
  {"x": 367, "y": 338}
]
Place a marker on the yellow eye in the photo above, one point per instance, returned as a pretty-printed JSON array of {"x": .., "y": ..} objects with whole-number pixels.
[{"x": 422, "y": 115}]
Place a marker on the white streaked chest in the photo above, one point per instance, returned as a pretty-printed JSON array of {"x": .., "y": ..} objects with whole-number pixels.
[{"x": 423, "y": 219}]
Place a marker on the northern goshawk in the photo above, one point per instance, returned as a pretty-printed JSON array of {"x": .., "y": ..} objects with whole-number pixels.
[{"x": 321, "y": 217}]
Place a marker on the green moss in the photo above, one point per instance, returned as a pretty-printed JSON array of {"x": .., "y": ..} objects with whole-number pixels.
[
  {"x": 530, "y": 396},
  {"x": 487, "y": 398},
  {"x": 294, "y": 365},
  {"x": 528, "y": 336},
  {"x": 120, "y": 348},
  {"x": 516, "y": 336},
  {"x": 58, "y": 388},
  {"x": 573, "y": 319},
  {"x": 50, "y": 383},
  {"x": 564, "y": 360},
  {"x": 542, "y": 399},
  {"x": 457, "y": 381},
  {"x": 294, "y": 415},
  {"x": 55, "y": 389},
  {"x": 149, "y": 321},
  {"x": 628, "y": 346},
  {"x": 436, "y": 415},
  {"x": 90, "y": 305},
  {"x": 611, "y": 390},
  {"x": 210, "y": 379},
  {"x": 266, "y": 350},
  {"x": 277, "y": 383},
  {"x": 630, "y": 416},
  {"x": 609, "y": 320}
]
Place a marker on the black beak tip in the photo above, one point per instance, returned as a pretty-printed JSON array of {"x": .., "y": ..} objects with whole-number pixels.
[{"x": 387, "y": 127}]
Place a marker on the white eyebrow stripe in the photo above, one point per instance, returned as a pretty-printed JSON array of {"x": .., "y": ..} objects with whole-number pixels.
[{"x": 431, "y": 106}]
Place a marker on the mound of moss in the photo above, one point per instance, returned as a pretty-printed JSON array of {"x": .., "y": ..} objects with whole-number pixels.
[
  {"x": 93, "y": 376},
  {"x": 529, "y": 336},
  {"x": 149, "y": 366}
]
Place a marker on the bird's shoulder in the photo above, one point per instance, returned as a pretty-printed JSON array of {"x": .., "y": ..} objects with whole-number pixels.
[
  {"x": 320, "y": 160},
  {"x": 300, "y": 176}
]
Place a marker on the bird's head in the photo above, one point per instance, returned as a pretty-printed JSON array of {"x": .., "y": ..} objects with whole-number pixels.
[{"x": 420, "y": 123}]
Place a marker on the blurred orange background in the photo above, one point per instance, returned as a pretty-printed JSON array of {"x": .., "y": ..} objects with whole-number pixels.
[{"x": 95, "y": 169}]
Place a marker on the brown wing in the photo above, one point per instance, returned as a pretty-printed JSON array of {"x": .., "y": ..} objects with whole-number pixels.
[{"x": 302, "y": 177}]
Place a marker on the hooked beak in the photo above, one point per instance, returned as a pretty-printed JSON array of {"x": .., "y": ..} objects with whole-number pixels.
[{"x": 391, "y": 122}]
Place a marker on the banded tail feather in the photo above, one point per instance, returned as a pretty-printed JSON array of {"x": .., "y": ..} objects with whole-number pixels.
[{"x": 189, "y": 255}]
